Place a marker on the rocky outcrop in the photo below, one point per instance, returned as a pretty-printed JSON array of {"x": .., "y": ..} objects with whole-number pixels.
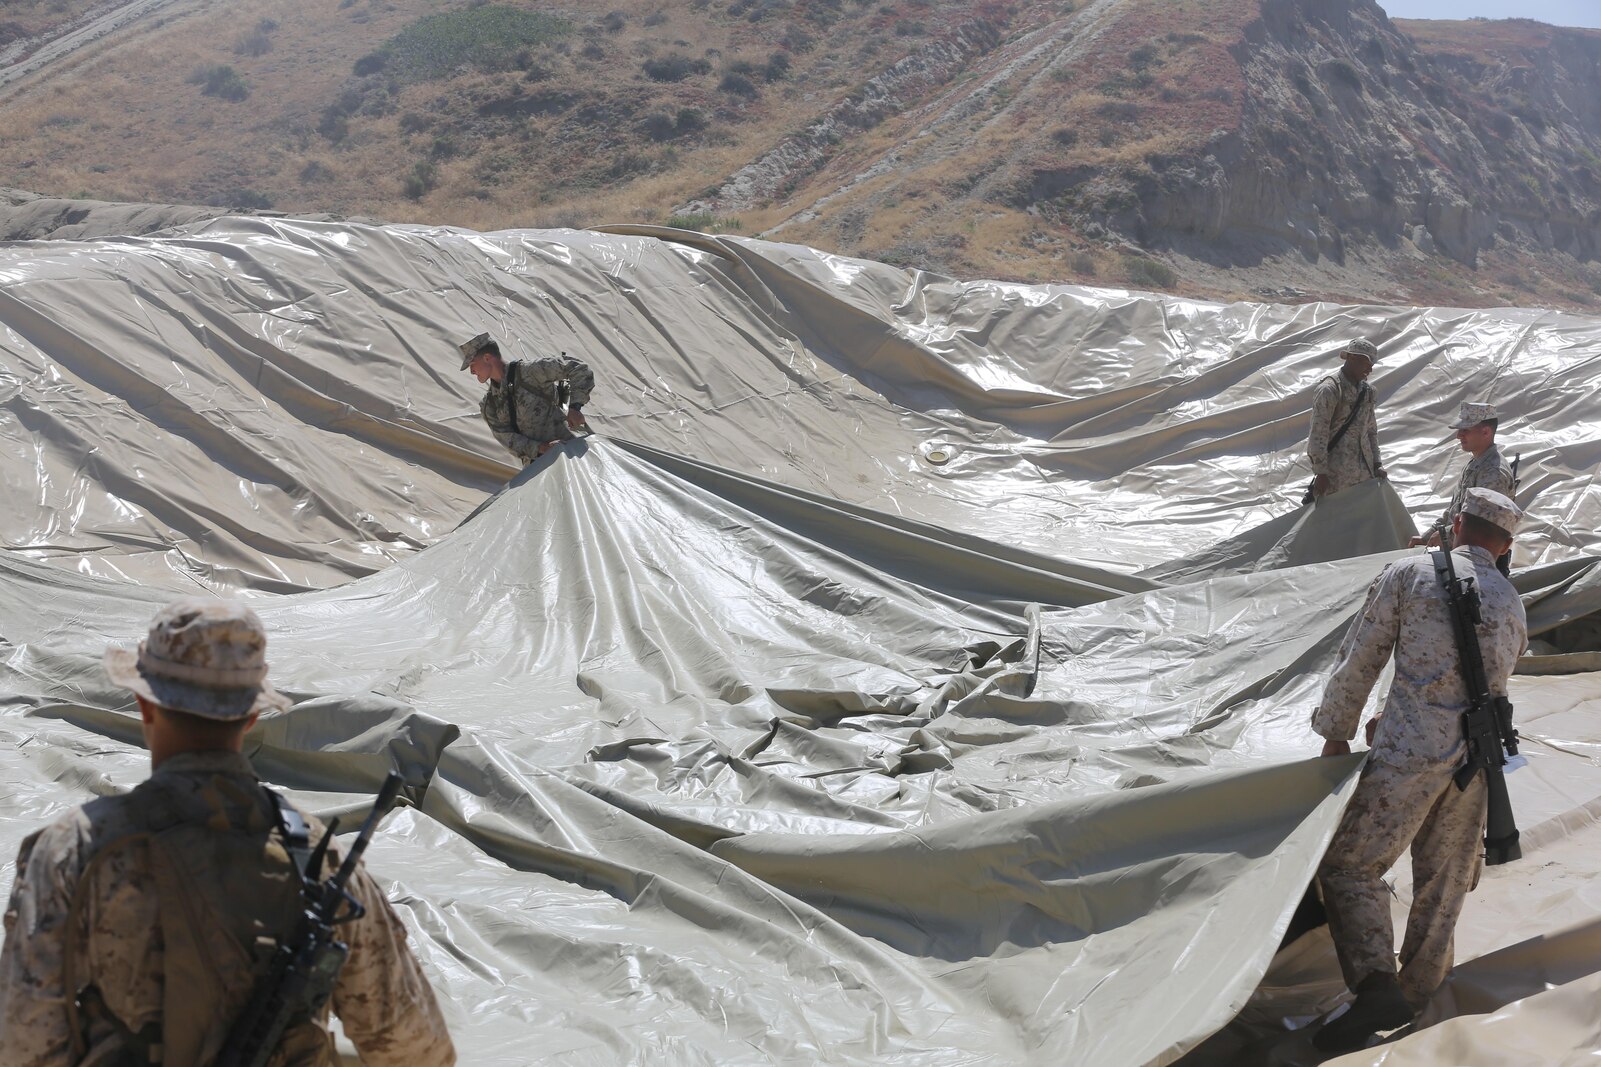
[
  {"x": 907, "y": 82},
  {"x": 1352, "y": 128}
]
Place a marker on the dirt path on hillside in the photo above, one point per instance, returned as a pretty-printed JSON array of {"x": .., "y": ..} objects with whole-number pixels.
[
  {"x": 1030, "y": 57},
  {"x": 20, "y": 60}
]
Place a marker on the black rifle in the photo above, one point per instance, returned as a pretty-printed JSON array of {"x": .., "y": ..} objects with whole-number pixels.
[
  {"x": 305, "y": 967},
  {"x": 1487, "y": 724}
]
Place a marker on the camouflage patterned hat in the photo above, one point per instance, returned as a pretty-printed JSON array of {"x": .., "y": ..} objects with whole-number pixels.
[
  {"x": 1359, "y": 347},
  {"x": 207, "y": 657},
  {"x": 1494, "y": 508},
  {"x": 470, "y": 349},
  {"x": 1472, "y": 415}
]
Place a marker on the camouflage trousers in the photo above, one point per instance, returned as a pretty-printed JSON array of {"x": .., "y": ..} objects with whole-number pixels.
[{"x": 1391, "y": 809}]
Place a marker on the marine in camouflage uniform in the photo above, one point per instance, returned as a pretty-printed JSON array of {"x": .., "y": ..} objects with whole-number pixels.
[
  {"x": 1355, "y": 458},
  {"x": 524, "y": 405},
  {"x": 1405, "y": 795},
  {"x": 1488, "y": 469},
  {"x": 146, "y": 919}
]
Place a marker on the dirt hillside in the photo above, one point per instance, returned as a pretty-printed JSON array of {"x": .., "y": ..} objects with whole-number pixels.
[{"x": 1288, "y": 149}]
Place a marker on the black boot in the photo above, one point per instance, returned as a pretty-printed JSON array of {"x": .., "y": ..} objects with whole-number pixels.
[{"x": 1380, "y": 1005}]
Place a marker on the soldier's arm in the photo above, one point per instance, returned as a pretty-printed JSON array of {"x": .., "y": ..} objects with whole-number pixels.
[
  {"x": 580, "y": 382},
  {"x": 1444, "y": 521},
  {"x": 33, "y": 1006},
  {"x": 1363, "y": 654},
  {"x": 524, "y": 448},
  {"x": 1317, "y": 439},
  {"x": 548, "y": 370},
  {"x": 383, "y": 999}
]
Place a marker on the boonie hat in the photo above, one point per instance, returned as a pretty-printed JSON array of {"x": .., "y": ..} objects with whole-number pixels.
[
  {"x": 1494, "y": 508},
  {"x": 1472, "y": 415},
  {"x": 204, "y": 656},
  {"x": 470, "y": 349},
  {"x": 1359, "y": 347}
]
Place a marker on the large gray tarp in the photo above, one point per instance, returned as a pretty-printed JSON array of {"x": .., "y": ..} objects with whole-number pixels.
[{"x": 746, "y": 731}]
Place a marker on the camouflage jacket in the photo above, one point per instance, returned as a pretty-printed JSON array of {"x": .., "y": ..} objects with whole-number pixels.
[
  {"x": 1406, "y": 613},
  {"x": 1356, "y": 458},
  {"x": 1488, "y": 470},
  {"x": 99, "y": 857},
  {"x": 533, "y": 388}
]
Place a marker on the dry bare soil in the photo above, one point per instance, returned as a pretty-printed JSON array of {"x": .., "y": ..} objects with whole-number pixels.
[{"x": 1293, "y": 149}]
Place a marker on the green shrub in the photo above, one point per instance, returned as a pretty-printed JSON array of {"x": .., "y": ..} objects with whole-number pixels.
[
  {"x": 487, "y": 37},
  {"x": 704, "y": 221},
  {"x": 738, "y": 85},
  {"x": 422, "y": 180},
  {"x": 674, "y": 68},
  {"x": 1342, "y": 71},
  {"x": 220, "y": 80},
  {"x": 241, "y": 199},
  {"x": 1149, "y": 272},
  {"x": 254, "y": 43},
  {"x": 1142, "y": 57},
  {"x": 777, "y": 68}
]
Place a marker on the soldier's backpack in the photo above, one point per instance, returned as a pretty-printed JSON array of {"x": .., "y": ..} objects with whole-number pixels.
[{"x": 226, "y": 894}]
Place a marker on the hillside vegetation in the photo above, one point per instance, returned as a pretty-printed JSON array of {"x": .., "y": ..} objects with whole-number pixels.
[{"x": 1283, "y": 148}]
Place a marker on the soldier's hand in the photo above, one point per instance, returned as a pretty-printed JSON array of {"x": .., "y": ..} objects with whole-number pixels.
[
  {"x": 1383, "y": 475},
  {"x": 1336, "y": 748},
  {"x": 1370, "y": 729},
  {"x": 546, "y": 446},
  {"x": 576, "y": 420},
  {"x": 1320, "y": 485}
]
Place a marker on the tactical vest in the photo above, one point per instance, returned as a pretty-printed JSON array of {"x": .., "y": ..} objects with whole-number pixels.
[{"x": 226, "y": 893}]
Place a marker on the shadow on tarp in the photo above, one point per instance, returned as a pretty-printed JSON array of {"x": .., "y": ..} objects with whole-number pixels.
[
  {"x": 1367, "y": 518},
  {"x": 1508, "y": 1008}
]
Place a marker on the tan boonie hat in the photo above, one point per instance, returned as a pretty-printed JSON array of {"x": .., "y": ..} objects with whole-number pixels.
[
  {"x": 207, "y": 657},
  {"x": 1494, "y": 508},
  {"x": 1472, "y": 415},
  {"x": 470, "y": 349},
  {"x": 1360, "y": 347}
]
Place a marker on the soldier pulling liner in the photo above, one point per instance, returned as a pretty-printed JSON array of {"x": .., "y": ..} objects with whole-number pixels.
[{"x": 1420, "y": 786}]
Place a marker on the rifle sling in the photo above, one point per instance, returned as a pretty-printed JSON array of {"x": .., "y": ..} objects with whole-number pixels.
[{"x": 1361, "y": 395}]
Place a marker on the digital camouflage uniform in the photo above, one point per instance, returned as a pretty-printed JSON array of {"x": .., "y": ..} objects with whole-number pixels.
[
  {"x": 1488, "y": 470},
  {"x": 1356, "y": 458},
  {"x": 541, "y": 416},
  {"x": 142, "y": 897},
  {"x": 1405, "y": 795}
]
